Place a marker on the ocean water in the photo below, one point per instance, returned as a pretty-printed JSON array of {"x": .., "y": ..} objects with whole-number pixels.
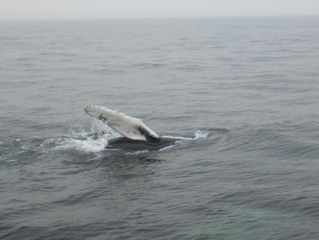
[{"x": 243, "y": 93}]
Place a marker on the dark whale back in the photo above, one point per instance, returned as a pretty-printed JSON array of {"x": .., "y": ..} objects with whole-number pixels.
[{"x": 128, "y": 144}]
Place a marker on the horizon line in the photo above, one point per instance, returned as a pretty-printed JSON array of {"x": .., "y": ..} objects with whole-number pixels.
[{"x": 160, "y": 17}]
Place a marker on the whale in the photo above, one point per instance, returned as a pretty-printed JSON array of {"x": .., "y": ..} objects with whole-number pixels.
[{"x": 136, "y": 136}]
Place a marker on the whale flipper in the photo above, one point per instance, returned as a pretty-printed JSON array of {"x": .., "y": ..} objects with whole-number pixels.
[{"x": 127, "y": 126}]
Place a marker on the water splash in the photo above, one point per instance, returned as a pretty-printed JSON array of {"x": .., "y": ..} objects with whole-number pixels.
[
  {"x": 199, "y": 134},
  {"x": 89, "y": 144}
]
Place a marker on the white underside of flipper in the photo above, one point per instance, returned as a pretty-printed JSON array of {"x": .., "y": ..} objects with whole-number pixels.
[{"x": 127, "y": 126}]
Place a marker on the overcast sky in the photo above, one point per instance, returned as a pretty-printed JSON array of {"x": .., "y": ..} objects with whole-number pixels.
[{"x": 73, "y": 9}]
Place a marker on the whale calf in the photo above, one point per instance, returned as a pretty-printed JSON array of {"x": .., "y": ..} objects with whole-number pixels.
[{"x": 136, "y": 135}]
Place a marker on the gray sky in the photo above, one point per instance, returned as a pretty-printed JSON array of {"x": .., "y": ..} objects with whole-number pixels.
[{"x": 73, "y": 9}]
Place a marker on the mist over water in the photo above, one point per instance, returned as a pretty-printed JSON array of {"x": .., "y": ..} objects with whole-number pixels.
[{"x": 242, "y": 93}]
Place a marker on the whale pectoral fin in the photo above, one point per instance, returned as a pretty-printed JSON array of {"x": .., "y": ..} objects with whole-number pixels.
[
  {"x": 127, "y": 126},
  {"x": 148, "y": 135}
]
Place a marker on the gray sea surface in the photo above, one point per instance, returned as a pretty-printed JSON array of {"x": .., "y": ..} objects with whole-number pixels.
[{"x": 242, "y": 93}]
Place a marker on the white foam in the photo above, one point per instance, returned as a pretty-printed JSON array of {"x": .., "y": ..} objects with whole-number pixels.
[
  {"x": 136, "y": 152},
  {"x": 199, "y": 134},
  {"x": 168, "y": 147},
  {"x": 86, "y": 144}
]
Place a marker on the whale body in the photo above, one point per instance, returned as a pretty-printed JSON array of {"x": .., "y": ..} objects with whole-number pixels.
[
  {"x": 136, "y": 135},
  {"x": 128, "y": 144}
]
